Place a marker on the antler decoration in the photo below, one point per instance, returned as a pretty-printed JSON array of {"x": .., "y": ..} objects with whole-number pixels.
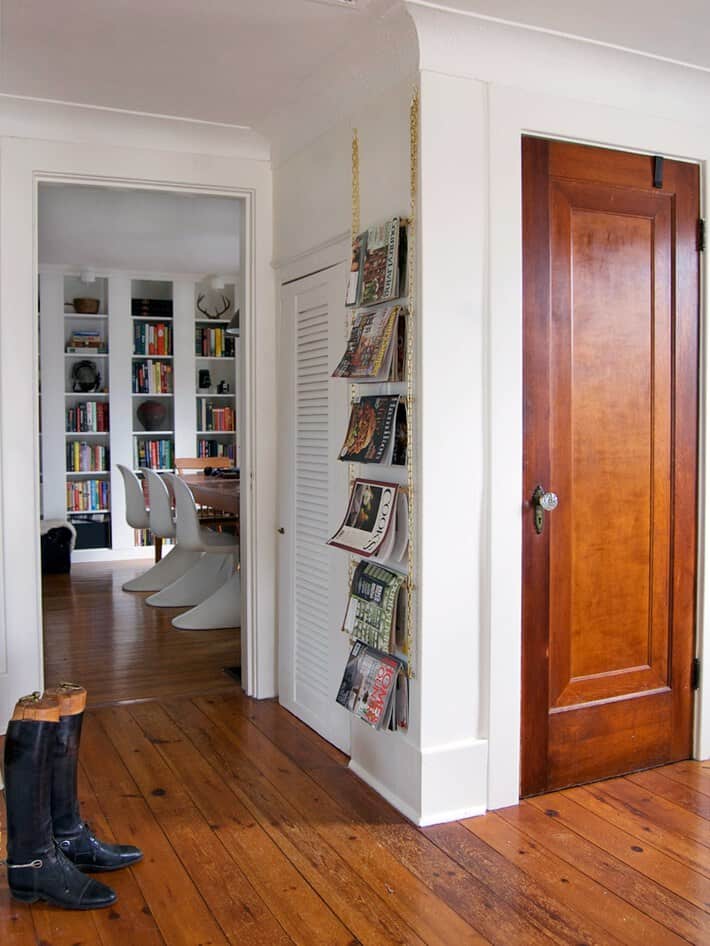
[{"x": 218, "y": 312}]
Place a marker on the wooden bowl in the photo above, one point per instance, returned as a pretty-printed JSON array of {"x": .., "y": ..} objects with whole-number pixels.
[{"x": 86, "y": 306}]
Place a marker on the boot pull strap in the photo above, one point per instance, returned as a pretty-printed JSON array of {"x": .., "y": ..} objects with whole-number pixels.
[{"x": 34, "y": 864}]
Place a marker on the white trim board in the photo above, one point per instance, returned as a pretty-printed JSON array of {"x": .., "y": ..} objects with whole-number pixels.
[{"x": 25, "y": 163}]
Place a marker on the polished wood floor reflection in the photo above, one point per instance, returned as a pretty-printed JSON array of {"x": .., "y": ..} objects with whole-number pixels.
[
  {"x": 256, "y": 834},
  {"x": 118, "y": 647}
]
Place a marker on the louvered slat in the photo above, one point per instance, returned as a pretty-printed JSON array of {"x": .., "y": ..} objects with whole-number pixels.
[{"x": 311, "y": 494}]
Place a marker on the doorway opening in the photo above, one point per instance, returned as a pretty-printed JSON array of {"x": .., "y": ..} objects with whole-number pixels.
[{"x": 141, "y": 368}]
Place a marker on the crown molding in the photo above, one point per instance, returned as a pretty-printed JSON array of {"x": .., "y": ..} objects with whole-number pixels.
[{"x": 26, "y": 117}]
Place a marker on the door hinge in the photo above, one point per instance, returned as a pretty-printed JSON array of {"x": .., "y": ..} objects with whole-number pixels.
[
  {"x": 658, "y": 171},
  {"x": 701, "y": 235},
  {"x": 695, "y": 674}
]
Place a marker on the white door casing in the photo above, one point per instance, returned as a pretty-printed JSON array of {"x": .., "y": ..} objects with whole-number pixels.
[{"x": 313, "y": 493}]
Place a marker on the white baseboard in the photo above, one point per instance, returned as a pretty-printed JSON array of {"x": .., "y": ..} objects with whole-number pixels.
[{"x": 428, "y": 786}]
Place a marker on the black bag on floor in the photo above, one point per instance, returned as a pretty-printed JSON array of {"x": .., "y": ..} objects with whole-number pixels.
[{"x": 56, "y": 551}]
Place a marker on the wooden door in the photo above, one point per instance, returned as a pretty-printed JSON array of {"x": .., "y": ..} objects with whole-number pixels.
[
  {"x": 313, "y": 494},
  {"x": 611, "y": 307}
]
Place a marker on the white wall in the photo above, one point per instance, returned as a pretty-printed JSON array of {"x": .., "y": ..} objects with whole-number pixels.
[
  {"x": 485, "y": 84},
  {"x": 132, "y": 151},
  {"x": 147, "y": 231}
]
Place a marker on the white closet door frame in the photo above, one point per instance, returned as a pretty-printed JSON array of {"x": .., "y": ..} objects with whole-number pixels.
[{"x": 312, "y": 576}]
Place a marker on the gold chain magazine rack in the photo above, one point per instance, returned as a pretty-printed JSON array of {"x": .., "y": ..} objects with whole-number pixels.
[{"x": 410, "y": 357}]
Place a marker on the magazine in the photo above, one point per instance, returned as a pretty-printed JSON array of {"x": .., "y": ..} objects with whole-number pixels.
[
  {"x": 377, "y": 431},
  {"x": 352, "y": 292},
  {"x": 369, "y": 684},
  {"x": 376, "y": 612},
  {"x": 369, "y": 518},
  {"x": 375, "y": 348}
]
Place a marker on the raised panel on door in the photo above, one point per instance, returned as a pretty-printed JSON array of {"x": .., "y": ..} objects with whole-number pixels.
[
  {"x": 312, "y": 576},
  {"x": 611, "y": 321}
]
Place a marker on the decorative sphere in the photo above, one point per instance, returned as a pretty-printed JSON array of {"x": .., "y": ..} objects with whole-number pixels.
[{"x": 152, "y": 414}]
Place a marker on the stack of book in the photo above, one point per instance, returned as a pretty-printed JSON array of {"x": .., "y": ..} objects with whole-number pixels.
[
  {"x": 152, "y": 377},
  {"x": 214, "y": 448},
  {"x": 152, "y": 308},
  {"x": 210, "y": 417},
  {"x": 86, "y": 457},
  {"x": 213, "y": 343},
  {"x": 87, "y": 496},
  {"x": 87, "y": 342},
  {"x": 90, "y": 417},
  {"x": 153, "y": 454},
  {"x": 152, "y": 338}
]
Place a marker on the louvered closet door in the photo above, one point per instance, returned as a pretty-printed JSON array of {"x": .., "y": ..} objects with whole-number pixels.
[{"x": 312, "y": 576}]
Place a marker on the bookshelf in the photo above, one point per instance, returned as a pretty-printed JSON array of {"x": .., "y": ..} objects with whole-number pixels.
[
  {"x": 84, "y": 434},
  {"x": 215, "y": 353}
]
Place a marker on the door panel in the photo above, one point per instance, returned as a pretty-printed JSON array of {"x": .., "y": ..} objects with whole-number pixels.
[
  {"x": 610, "y": 426},
  {"x": 313, "y": 489}
]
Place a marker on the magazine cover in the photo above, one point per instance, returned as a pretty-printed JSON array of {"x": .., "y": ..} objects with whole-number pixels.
[
  {"x": 372, "y": 430},
  {"x": 369, "y": 518},
  {"x": 369, "y": 352},
  {"x": 352, "y": 292},
  {"x": 380, "y": 265},
  {"x": 373, "y": 608},
  {"x": 368, "y": 684}
]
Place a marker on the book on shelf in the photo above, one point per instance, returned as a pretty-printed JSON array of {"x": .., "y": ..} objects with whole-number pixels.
[
  {"x": 217, "y": 419},
  {"x": 85, "y": 350},
  {"x": 378, "y": 267},
  {"x": 376, "y": 346},
  {"x": 213, "y": 342},
  {"x": 377, "y": 431},
  {"x": 85, "y": 457},
  {"x": 87, "y": 496},
  {"x": 153, "y": 454},
  {"x": 152, "y": 338},
  {"x": 376, "y": 522},
  {"x": 377, "y": 607},
  {"x": 152, "y": 308},
  {"x": 87, "y": 418},
  {"x": 374, "y": 688},
  {"x": 152, "y": 377}
]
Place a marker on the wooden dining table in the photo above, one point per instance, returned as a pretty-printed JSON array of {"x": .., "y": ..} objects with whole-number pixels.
[{"x": 214, "y": 491}]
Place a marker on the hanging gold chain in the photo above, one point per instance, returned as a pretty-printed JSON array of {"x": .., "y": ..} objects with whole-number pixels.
[
  {"x": 354, "y": 233},
  {"x": 411, "y": 333}
]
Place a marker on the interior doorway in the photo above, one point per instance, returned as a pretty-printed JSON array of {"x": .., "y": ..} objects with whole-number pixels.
[
  {"x": 137, "y": 289},
  {"x": 611, "y": 324}
]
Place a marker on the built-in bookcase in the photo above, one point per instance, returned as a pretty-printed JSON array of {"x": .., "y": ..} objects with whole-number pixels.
[
  {"x": 142, "y": 356},
  {"x": 215, "y": 348}
]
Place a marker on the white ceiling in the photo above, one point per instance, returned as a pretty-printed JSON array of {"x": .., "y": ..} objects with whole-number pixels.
[
  {"x": 217, "y": 60},
  {"x": 679, "y": 30},
  {"x": 242, "y": 61}
]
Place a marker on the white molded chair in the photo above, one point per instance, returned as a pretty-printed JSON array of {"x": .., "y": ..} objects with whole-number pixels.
[
  {"x": 223, "y": 606},
  {"x": 202, "y": 574},
  {"x": 137, "y": 516}
]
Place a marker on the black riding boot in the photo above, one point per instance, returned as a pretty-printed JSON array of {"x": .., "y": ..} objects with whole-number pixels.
[
  {"x": 36, "y": 868},
  {"x": 73, "y": 835}
]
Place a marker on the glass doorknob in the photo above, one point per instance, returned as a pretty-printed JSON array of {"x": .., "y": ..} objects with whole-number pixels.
[{"x": 542, "y": 502}]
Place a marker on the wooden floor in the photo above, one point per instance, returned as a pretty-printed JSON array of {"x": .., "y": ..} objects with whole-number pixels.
[
  {"x": 256, "y": 833},
  {"x": 118, "y": 647}
]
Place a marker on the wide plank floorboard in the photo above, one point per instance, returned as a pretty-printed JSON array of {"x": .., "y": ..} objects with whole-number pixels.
[
  {"x": 119, "y": 648},
  {"x": 256, "y": 833}
]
